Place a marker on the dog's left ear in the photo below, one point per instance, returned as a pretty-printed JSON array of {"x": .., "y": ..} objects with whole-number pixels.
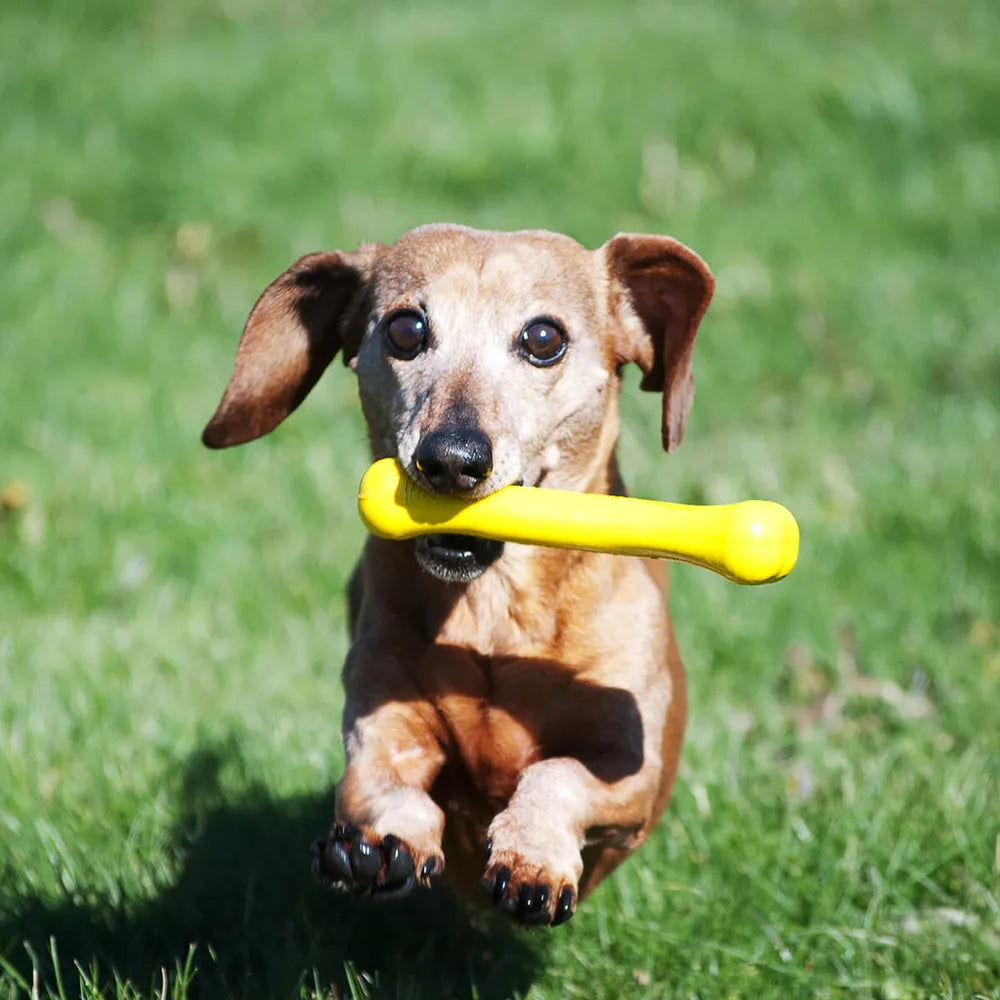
[{"x": 660, "y": 291}]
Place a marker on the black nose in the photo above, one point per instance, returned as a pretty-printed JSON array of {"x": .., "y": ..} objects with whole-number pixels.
[{"x": 454, "y": 460}]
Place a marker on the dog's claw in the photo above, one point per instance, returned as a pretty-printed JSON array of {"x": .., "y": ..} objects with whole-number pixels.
[
  {"x": 524, "y": 906},
  {"x": 500, "y": 886},
  {"x": 564, "y": 907}
]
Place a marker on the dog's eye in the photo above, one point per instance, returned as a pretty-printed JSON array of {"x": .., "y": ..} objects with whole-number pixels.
[
  {"x": 542, "y": 342},
  {"x": 405, "y": 333}
]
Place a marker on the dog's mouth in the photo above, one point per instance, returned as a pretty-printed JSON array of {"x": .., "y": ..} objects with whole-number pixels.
[{"x": 456, "y": 558}]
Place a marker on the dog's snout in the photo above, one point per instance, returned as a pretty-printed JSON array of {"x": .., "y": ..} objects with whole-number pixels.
[{"x": 455, "y": 460}]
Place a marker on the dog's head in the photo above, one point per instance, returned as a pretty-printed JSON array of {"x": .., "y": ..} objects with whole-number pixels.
[{"x": 483, "y": 359}]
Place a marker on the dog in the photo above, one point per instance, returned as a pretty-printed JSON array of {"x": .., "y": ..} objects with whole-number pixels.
[{"x": 514, "y": 711}]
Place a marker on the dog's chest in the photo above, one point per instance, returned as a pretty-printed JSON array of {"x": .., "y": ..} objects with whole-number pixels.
[{"x": 491, "y": 742}]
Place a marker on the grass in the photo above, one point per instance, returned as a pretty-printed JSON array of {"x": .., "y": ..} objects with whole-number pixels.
[{"x": 171, "y": 625}]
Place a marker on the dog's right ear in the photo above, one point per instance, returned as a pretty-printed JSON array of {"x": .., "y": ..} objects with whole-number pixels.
[{"x": 296, "y": 327}]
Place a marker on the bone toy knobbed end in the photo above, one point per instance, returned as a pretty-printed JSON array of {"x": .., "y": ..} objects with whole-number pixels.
[{"x": 752, "y": 542}]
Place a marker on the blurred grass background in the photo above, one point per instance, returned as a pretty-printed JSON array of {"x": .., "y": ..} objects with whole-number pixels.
[{"x": 171, "y": 623}]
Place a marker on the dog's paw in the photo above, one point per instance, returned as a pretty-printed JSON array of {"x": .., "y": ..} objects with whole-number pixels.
[
  {"x": 526, "y": 892},
  {"x": 359, "y": 861},
  {"x": 533, "y": 867}
]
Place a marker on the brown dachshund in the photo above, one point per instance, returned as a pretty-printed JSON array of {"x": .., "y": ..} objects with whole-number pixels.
[{"x": 515, "y": 710}]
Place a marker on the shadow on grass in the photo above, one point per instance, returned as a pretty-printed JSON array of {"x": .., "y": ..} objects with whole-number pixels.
[{"x": 246, "y": 900}]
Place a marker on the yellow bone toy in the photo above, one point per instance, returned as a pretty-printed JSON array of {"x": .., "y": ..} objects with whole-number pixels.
[{"x": 755, "y": 541}]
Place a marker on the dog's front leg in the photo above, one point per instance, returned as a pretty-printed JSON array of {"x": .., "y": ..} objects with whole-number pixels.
[
  {"x": 387, "y": 831},
  {"x": 559, "y": 805}
]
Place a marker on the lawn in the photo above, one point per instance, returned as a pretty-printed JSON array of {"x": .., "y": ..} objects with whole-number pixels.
[{"x": 171, "y": 620}]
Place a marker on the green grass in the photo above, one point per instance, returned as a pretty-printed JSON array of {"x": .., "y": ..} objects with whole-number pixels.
[{"x": 171, "y": 623}]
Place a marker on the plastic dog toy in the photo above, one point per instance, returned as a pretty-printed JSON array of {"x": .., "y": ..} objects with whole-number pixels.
[{"x": 754, "y": 541}]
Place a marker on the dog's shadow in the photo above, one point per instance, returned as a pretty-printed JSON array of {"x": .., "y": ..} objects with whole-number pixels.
[{"x": 261, "y": 927}]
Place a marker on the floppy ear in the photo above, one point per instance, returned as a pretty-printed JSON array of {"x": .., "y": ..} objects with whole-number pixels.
[
  {"x": 660, "y": 291},
  {"x": 296, "y": 327}
]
